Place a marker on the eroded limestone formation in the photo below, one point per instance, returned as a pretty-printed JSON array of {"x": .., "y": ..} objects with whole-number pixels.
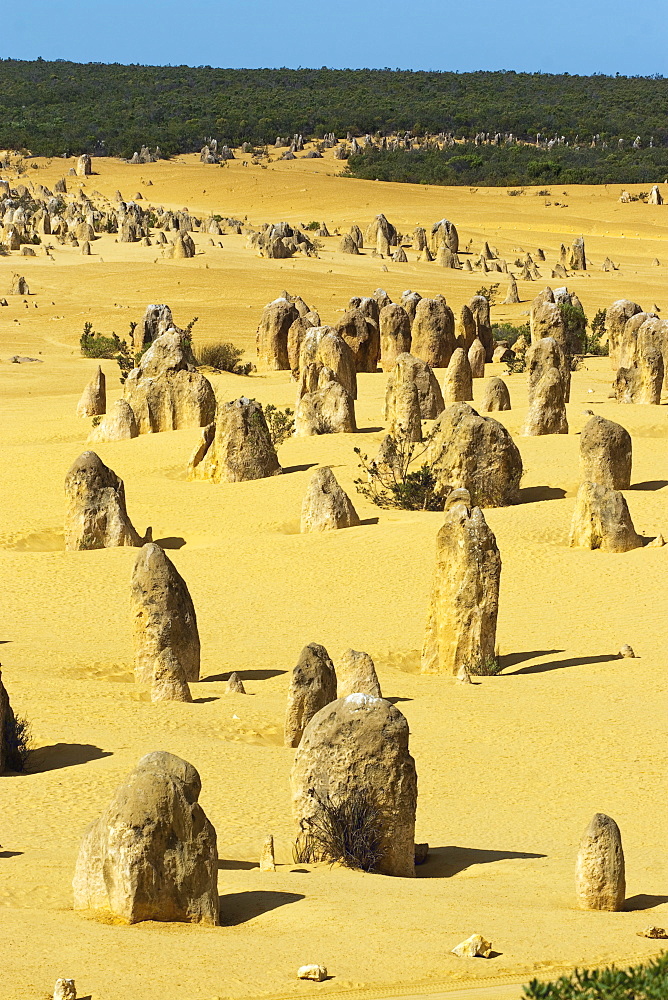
[
  {"x": 356, "y": 674},
  {"x": 547, "y": 410},
  {"x": 327, "y": 409},
  {"x": 458, "y": 379},
  {"x": 601, "y": 520},
  {"x": 605, "y": 453},
  {"x": 402, "y": 401},
  {"x": 461, "y": 624},
  {"x": 361, "y": 334},
  {"x": 395, "y": 334},
  {"x": 95, "y": 513},
  {"x": 326, "y": 506},
  {"x": 323, "y": 347},
  {"x": 476, "y": 356},
  {"x": 600, "y": 880},
  {"x": 430, "y": 397},
  {"x": 237, "y": 448},
  {"x": 272, "y": 334},
  {"x": 152, "y": 855},
  {"x": 93, "y": 401},
  {"x": 166, "y": 638},
  {"x": 495, "y": 396},
  {"x": 118, "y": 424},
  {"x": 433, "y": 332},
  {"x": 312, "y": 686},
  {"x": 357, "y": 747}
]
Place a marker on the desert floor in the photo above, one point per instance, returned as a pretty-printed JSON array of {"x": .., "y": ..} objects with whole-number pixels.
[{"x": 510, "y": 769}]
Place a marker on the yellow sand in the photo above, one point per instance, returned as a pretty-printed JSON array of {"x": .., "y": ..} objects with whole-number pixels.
[{"x": 510, "y": 769}]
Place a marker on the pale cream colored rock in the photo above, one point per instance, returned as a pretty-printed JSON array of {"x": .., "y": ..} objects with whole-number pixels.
[
  {"x": 547, "y": 409},
  {"x": 65, "y": 989},
  {"x": 326, "y": 507},
  {"x": 601, "y": 520},
  {"x": 272, "y": 334},
  {"x": 642, "y": 381},
  {"x": 164, "y": 623},
  {"x": 329, "y": 409},
  {"x": 95, "y": 513},
  {"x": 317, "y": 973},
  {"x": 653, "y": 932},
  {"x": 360, "y": 331},
  {"x": 395, "y": 334},
  {"x": 461, "y": 623},
  {"x": 464, "y": 675},
  {"x": 267, "y": 858},
  {"x": 474, "y": 947},
  {"x": 605, "y": 453},
  {"x": 402, "y": 402},
  {"x": 616, "y": 317},
  {"x": 657, "y": 543},
  {"x": 600, "y": 882},
  {"x": 157, "y": 319},
  {"x": 626, "y": 652},
  {"x": 312, "y": 686},
  {"x": 118, "y": 424},
  {"x": 476, "y": 356},
  {"x": 495, "y": 396},
  {"x": 433, "y": 332},
  {"x": 356, "y": 674},
  {"x": 477, "y": 454},
  {"x": 458, "y": 379},
  {"x": 542, "y": 355},
  {"x": 234, "y": 685},
  {"x": 358, "y": 746},
  {"x": 480, "y": 310},
  {"x": 93, "y": 401},
  {"x": 430, "y": 397},
  {"x": 512, "y": 296},
  {"x": 152, "y": 854},
  {"x": 467, "y": 327},
  {"x": 237, "y": 448},
  {"x": 323, "y": 347},
  {"x": 166, "y": 392}
]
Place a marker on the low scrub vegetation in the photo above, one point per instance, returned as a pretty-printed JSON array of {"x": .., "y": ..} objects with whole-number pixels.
[
  {"x": 641, "y": 982},
  {"x": 345, "y": 832},
  {"x": 393, "y": 483},
  {"x": 224, "y": 357}
]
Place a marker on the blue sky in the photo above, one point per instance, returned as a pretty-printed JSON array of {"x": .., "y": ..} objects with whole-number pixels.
[{"x": 586, "y": 36}]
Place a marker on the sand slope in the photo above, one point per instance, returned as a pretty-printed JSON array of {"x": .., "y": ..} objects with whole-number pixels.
[{"x": 510, "y": 769}]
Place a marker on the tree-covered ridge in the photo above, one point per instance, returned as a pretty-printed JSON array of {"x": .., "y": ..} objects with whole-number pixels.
[
  {"x": 511, "y": 165},
  {"x": 64, "y": 107}
]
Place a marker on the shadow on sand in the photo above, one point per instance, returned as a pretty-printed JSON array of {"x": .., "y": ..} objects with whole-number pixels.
[
  {"x": 239, "y": 907},
  {"x": 444, "y": 862}
]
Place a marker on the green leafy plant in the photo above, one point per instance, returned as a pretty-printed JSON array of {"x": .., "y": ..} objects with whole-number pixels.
[
  {"x": 517, "y": 366},
  {"x": 313, "y": 226},
  {"x": 224, "y": 357},
  {"x": 281, "y": 423},
  {"x": 489, "y": 293},
  {"x": 510, "y": 333},
  {"x": 647, "y": 981},
  {"x": 575, "y": 325},
  {"x": 488, "y": 667},
  {"x": 96, "y": 345},
  {"x": 345, "y": 832},
  {"x": 395, "y": 484},
  {"x": 593, "y": 343}
]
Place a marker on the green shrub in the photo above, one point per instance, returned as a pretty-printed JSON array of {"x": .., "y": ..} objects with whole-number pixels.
[
  {"x": 281, "y": 423},
  {"x": 395, "y": 485},
  {"x": 18, "y": 740},
  {"x": 509, "y": 332},
  {"x": 593, "y": 343},
  {"x": 517, "y": 366},
  {"x": 489, "y": 293},
  {"x": 96, "y": 345},
  {"x": 575, "y": 324},
  {"x": 486, "y": 668},
  {"x": 640, "y": 982},
  {"x": 225, "y": 357},
  {"x": 347, "y": 833},
  {"x": 313, "y": 226}
]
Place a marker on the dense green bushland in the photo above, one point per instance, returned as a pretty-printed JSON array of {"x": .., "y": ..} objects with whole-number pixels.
[
  {"x": 641, "y": 982},
  {"x": 473, "y": 165},
  {"x": 63, "y": 107}
]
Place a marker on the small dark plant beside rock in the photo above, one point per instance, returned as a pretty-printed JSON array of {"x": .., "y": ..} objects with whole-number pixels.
[
  {"x": 96, "y": 345},
  {"x": 345, "y": 832},
  {"x": 18, "y": 741},
  {"x": 395, "y": 484},
  {"x": 224, "y": 357},
  {"x": 281, "y": 423}
]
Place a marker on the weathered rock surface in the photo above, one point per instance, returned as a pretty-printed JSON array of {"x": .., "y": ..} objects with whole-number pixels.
[
  {"x": 118, "y": 424},
  {"x": 358, "y": 747},
  {"x": 474, "y": 947},
  {"x": 433, "y": 332},
  {"x": 361, "y": 334},
  {"x": 479, "y": 306},
  {"x": 542, "y": 355},
  {"x": 237, "y": 447},
  {"x": 164, "y": 624},
  {"x": 272, "y": 334},
  {"x": 157, "y": 319},
  {"x": 458, "y": 379},
  {"x": 316, "y": 973},
  {"x": 601, "y": 520},
  {"x": 95, "y": 514},
  {"x": 267, "y": 858},
  {"x": 234, "y": 685},
  {"x": 495, "y": 396},
  {"x": 477, "y": 454},
  {"x": 329, "y": 409},
  {"x": 600, "y": 881},
  {"x": 616, "y": 318},
  {"x": 356, "y": 674},
  {"x": 65, "y": 989},
  {"x": 409, "y": 368},
  {"x": 547, "y": 410},
  {"x": 152, "y": 855},
  {"x": 402, "y": 401},
  {"x": 605, "y": 453},
  {"x": 461, "y": 624},
  {"x": 326, "y": 506},
  {"x": 476, "y": 356},
  {"x": 642, "y": 382},
  {"x": 395, "y": 334},
  {"x": 93, "y": 401},
  {"x": 323, "y": 347},
  {"x": 166, "y": 392},
  {"x": 312, "y": 686}
]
